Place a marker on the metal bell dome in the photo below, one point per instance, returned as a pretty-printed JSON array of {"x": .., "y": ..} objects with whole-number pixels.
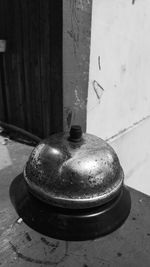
[{"x": 74, "y": 170}]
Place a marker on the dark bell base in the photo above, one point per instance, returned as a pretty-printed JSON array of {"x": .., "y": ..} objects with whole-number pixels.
[{"x": 67, "y": 224}]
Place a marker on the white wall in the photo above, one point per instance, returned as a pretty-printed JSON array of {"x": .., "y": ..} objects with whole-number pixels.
[{"x": 120, "y": 64}]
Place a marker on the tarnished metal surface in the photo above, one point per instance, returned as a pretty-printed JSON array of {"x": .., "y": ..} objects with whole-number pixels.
[{"x": 74, "y": 175}]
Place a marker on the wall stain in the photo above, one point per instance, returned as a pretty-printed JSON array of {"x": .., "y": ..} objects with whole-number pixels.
[
  {"x": 98, "y": 90},
  {"x": 133, "y": 2}
]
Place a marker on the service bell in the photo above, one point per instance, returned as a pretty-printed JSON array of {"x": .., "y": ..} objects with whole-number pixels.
[{"x": 80, "y": 175}]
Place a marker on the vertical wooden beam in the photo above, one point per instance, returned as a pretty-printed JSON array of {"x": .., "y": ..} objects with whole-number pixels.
[
  {"x": 56, "y": 14},
  {"x": 2, "y": 108},
  {"x": 3, "y": 35},
  {"x": 76, "y": 51}
]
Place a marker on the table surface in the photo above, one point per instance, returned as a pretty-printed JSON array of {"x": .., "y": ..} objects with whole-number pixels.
[{"x": 21, "y": 246}]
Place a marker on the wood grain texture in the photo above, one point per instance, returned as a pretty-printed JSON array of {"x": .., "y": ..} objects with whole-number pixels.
[{"x": 32, "y": 64}]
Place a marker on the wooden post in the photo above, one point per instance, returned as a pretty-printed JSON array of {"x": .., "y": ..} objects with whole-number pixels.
[{"x": 76, "y": 51}]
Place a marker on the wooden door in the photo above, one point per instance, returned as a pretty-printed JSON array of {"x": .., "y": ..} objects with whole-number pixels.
[{"x": 31, "y": 67}]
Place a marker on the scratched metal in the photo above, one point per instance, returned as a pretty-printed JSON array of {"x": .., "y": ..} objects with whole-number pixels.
[{"x": 74, "y": 175}]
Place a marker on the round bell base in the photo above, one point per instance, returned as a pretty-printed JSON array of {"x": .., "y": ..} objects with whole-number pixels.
[{"x": 67, "y": 224}]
